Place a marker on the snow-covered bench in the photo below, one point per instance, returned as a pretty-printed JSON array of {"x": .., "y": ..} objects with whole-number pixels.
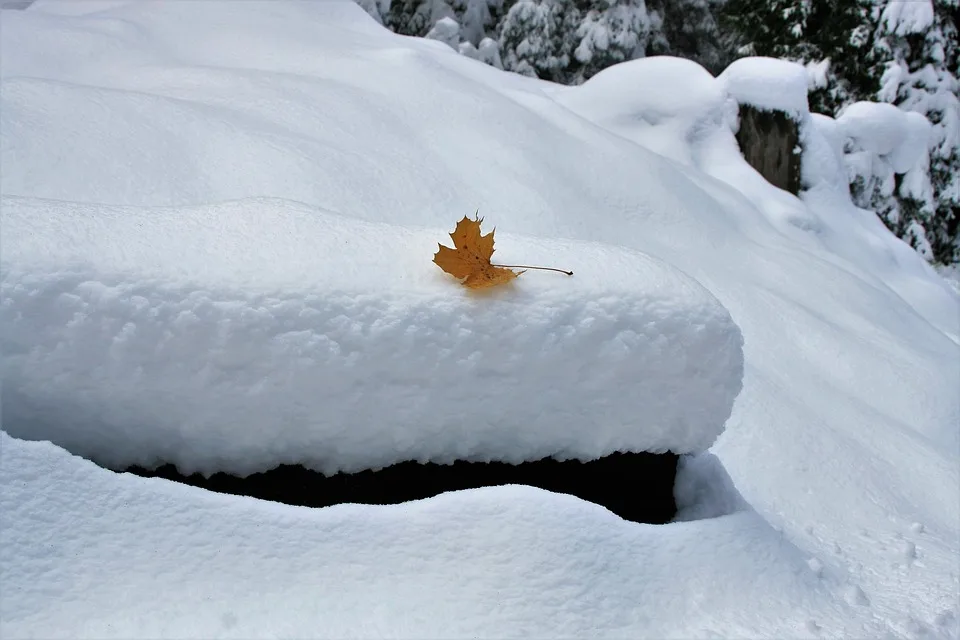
[{"x": 246, "y": 335}]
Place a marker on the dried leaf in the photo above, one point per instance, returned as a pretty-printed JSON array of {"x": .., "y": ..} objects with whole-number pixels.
[{"x": 470, "y": 260}]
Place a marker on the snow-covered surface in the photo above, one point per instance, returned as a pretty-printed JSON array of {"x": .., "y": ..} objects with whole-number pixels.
[
  {"x": 203, "y": 325},
  {"x": 767, "y": 83},
  {"x": 842, "y": 446},
  {"x": 147, "y": 558},
  {"x": 885, "y": 130},
  {"x": 907, "y": 16},
  {"x": 656, "y": 101}
]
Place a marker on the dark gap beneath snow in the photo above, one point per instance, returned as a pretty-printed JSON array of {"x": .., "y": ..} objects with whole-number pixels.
[{"x": 635, "y": 486}]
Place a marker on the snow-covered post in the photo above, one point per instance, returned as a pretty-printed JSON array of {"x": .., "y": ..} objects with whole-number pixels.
[
  {"x": 769, "y": 141},
  {"x": 772, "y": 99}
]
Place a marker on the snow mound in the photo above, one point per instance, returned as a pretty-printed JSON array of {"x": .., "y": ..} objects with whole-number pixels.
[
  {"x": 239, "y": 336},
  {"x": 899, "y": 138},
  {"x": 913, "y": 149},
  {"x": 100, "y": 555},
  {"x": 768, "y": 84},
  {"x": 656, "y": 100},
  {"x": 885, "y": 130}
]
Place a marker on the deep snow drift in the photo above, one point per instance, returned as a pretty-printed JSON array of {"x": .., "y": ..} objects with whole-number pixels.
[{"x": 843, "y": 441}]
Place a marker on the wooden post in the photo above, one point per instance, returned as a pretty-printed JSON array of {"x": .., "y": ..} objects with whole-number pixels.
[{"x": 770, "y": 143}]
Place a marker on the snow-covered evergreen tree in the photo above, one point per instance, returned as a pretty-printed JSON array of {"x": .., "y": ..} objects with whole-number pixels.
[
  {"x": 611, "y": 32},
  {"x": 690, "y": 29},
  {"x": 476, "y": 21},
  {"x": 917, "y": 43},
  {"x": 377, "y": 9},
  {"x": 568, "y": 41},
  {"x": 417, "y": 17},
  {"x": 538, "y": 38},
  {"x": 476, "y": 16}
]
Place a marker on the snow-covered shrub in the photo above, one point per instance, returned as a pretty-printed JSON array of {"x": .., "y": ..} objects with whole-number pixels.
[
  {"x": 917, "y": 40},
  {"x": 885, "y": 154},
  {"x": 446, "y": 31},
  {"x": 488, "y": 52}
]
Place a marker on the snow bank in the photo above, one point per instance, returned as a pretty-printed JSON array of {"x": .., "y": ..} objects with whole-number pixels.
[
  {"x": 240, "y": 336},
  {"x": 99, "y": 555},
  {"x": 768, "y": 84}
]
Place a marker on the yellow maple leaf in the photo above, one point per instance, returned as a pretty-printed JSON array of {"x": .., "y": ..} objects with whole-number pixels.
[{"x": 470, "y": 260}]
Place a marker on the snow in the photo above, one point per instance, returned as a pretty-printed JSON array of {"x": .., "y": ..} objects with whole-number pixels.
[
  {"x": 817, "y": 73},
  {"x": 446, "y": 31},
  {"x": 915, "y": 143},
  {"x": 146, "y": 558},
  {"x": 907, "y": 16},
  {"x": 688, "y": 104},
  {"x": 768, "y": 84},
  {"x": 840, "y": 451},
  {"x": 202, "y": 325},
  {"x": 882, "y": 129}
]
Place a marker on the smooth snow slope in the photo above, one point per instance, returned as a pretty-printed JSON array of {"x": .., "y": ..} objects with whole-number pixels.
[
  {"x": 240, "y": 336},
  {"x": 845, "y": 435},
  {"x": 125, "y": 557}
]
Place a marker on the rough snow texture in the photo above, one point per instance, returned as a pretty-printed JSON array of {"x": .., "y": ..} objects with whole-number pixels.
[
  {"x": 842, "y": 441},
  {"x": 241, "y": 336},
  {"x": 768, "y": 84}
]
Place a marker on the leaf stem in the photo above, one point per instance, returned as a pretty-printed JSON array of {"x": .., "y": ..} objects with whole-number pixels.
[{"x": 524, "y": 266}]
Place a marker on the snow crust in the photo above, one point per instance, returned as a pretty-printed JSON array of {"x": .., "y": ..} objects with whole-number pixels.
[
  {"x": 239, "y": 336},
  {"x": 768, "y": 84},
  {"x": 841, "y": 447}
]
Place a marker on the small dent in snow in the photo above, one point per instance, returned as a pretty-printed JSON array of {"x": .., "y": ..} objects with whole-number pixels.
[
  {"x": 816, "y": 566},
  {"x": 908, "y": 550},
  {"x": 854, "y": 595}
]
